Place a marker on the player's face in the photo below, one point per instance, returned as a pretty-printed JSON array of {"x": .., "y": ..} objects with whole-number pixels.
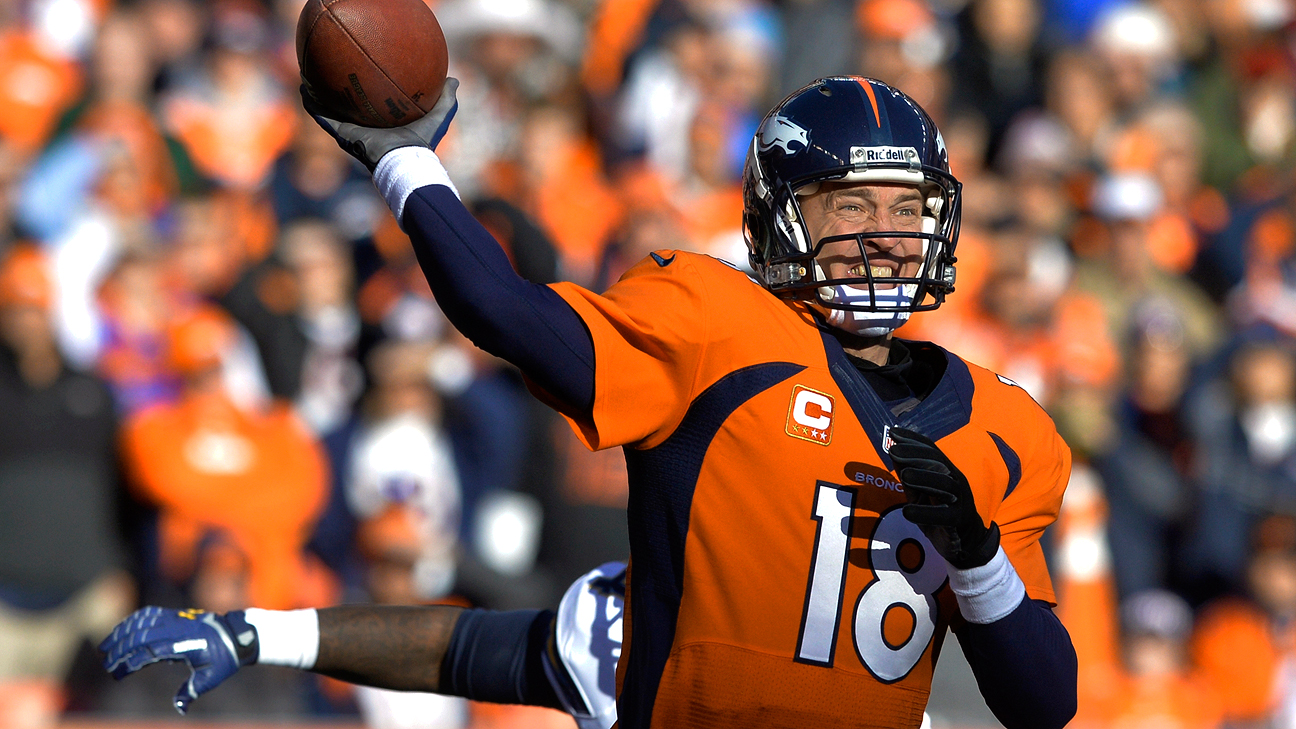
[{"x": 848, "y": 208}]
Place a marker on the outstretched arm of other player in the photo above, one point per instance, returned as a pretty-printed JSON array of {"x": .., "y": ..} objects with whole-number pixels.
[
  {"x": 524, "y": 323},
  {"x": 479, "y": 654}
]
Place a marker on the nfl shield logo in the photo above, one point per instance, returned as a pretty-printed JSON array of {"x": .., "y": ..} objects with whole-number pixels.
[{"x": 887, "y": 442}]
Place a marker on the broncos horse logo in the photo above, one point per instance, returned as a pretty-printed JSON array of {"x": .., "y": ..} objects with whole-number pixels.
[{"x": 779, "y": 132}]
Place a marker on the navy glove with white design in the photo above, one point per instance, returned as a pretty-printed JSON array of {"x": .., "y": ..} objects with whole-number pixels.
[
  {"x": 940, "y": 501},
  {"x": 370, "y": 144},
  {"x": 214, "y": 646}
]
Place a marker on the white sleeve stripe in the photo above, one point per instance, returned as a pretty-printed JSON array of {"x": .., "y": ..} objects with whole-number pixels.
[
  {"x": 405, "y": 169},
  {"x": 989, "y": 592}
]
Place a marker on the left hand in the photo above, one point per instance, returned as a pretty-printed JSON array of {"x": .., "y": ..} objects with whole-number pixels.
[
  {"x": 370, "y": 144},
  {"x": 213, "y": 645},
  {"x": 940, "y": 501}
]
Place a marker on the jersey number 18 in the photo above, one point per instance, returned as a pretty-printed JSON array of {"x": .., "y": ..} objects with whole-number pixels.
[{"x": 907, "y": 572}]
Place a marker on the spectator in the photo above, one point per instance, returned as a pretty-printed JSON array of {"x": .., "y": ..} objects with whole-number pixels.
[
  {"x": 1244, "y": 643},
  {"x": 299, "y": 307},
  {"x": 1161, "y": 687},
  {"x": 254, "y": 477},
  {"x": 392, "y": 544},
  {"x": 136, "y": 307},
  {"x": 1136, "y": 45},
  {"x": 401, "y": 458},
  {"x": 1147, "y": 468},
  {"x": 1000, "y": 63},
  {"x": 1118, "y": 267},
  {"x": 317, "y": 180},
  {"x": 39, "y": 81},
  {"x": 232, "y": 117},
  {"x": 61, "y": 549},
  {"x": 1244, "y": 427},
  {"x": 905, "y": 45}
]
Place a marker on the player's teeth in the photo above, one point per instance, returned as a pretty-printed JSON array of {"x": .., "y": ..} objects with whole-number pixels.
[{"x": 878, "y": 271}]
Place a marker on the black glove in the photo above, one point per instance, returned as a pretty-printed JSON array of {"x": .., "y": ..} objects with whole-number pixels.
[
  {"x": 214, "y": 646},
  {"x": 940, "y": 501},
  {"x": 369, "y": 144}
]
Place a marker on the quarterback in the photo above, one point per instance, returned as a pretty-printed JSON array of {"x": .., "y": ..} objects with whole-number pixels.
[{"x": 814, "y": 503}]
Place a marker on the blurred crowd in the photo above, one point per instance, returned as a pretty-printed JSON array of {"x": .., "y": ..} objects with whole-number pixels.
[{"x": 225, "y": 383}]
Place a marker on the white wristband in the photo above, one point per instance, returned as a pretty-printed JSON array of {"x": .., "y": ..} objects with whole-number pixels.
[
  {"x": 286, "y": 637},
  {"x": 405, "y": 169},
  {"x": 989, "y": 592}
]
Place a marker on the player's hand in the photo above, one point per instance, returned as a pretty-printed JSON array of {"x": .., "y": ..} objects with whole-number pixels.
[
  {"x": 214, "y": 646},
  {"x": 369, "y": 144},
  {"x": 940, "y": 501}
]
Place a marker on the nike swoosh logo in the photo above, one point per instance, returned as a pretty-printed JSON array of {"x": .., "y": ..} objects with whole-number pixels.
[{"x": 663, "y": 262}]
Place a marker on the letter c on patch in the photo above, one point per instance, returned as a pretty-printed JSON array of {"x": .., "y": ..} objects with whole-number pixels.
[{"x": 812, "y": 410}]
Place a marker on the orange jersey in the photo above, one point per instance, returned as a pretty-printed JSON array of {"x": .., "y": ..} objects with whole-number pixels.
[{"x": 773, "y": 579}]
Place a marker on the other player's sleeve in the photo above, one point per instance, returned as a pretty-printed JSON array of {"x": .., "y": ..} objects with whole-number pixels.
[{"x": 649, "y": 332}]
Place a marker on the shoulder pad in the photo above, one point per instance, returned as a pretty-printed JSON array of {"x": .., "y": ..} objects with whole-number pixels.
[{"x": 587, "y": 644}]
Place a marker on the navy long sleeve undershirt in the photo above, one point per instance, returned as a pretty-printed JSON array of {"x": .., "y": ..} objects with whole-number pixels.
[
  {"x": 1025, "y": 666},
  {"x": 525, "y": 323},
  {"x": 1024, "y": 663}
]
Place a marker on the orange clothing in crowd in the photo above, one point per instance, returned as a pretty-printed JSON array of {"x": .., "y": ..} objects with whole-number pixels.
[
  {"x": 615, "y": 32},
  {"x": 134, "y": 127},
  {"x": 258, "y": 478},
  {"x": 575, "y": 204},
  {"x": 234, "y": 143},
  {"x": 36, "y": 87},
  {"x": 1236, "y": 647}
]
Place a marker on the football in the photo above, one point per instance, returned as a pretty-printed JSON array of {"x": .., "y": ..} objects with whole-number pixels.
[{"x": 377, "y": 63}]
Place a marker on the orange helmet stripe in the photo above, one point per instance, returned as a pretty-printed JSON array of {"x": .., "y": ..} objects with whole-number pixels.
[{"x": 868, "y": 90}]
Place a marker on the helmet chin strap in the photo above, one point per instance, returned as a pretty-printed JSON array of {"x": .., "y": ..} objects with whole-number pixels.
[{"x": 892, "y": 309}]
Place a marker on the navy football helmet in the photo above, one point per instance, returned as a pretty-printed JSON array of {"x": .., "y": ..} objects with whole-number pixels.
[{"x": 848, "y": 129}]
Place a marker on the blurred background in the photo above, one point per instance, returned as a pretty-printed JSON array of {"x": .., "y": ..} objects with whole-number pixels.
[{"x": 225, "y": 383}]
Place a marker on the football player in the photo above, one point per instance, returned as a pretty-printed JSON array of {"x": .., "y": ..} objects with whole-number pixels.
[{"x": 813, "y": 502}]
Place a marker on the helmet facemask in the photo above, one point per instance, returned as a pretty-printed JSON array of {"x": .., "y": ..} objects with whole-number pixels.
[{"x": 866, "y": 305}]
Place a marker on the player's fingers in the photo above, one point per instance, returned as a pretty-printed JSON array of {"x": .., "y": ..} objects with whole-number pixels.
[
  {"x": 923, "y": 494},
  {"x": 927, "y": 515},
  {"x": 133, "y": 660},
  {"x": 448, "y": 101},
  {"x": 432, "y": 126},
  {"x": 205, "y": 679},
  {"x": 917, "y": 461},
  {"x": 184, "y": 696},
  {"x": 332, "y": 126},
  {"x": 923, "y": 478}
]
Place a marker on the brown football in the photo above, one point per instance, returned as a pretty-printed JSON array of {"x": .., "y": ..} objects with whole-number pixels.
[{"x": 377, "y": 63}]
